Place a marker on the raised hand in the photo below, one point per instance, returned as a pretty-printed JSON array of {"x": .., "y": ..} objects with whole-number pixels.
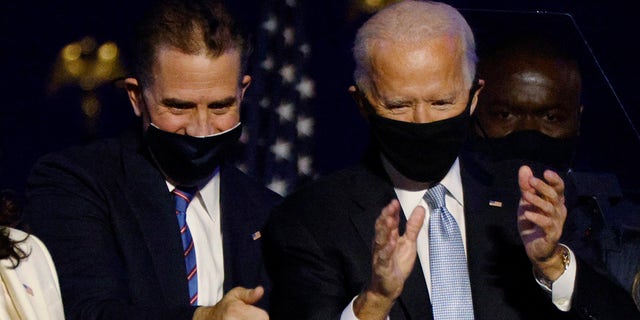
[
  {"x": 393, "y": 257},
  {"x": 541, "y": 216}
]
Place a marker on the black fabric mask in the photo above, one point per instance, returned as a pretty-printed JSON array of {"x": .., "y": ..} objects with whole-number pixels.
[
  {"x": 529, "y": 145},
  {"x": 422, "y": 152},
  {"x": 186, "y": 160}
]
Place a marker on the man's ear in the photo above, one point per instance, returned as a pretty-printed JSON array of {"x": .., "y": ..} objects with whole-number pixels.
[
  {"x": 478, "y": 88},
  {"x": 360, "y": 99},
  {"x": 134, "y": 91},
  {"x": 246, "y": 81}
]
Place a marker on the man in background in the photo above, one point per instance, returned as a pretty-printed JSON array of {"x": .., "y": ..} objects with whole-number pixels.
[{"x": 529, "y": 113}]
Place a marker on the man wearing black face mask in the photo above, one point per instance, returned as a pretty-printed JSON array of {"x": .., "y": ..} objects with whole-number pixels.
[
  {"x": 155, "y": 224},
  {"x": 529, "y": 113},
  {"x": 410, "y": 233},
  {"x": 531, "y": 110}
]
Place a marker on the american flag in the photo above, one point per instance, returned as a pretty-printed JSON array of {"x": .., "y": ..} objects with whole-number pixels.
[
  {"x": 28, "y": 289},
  {"x": 278, "y": 125}
]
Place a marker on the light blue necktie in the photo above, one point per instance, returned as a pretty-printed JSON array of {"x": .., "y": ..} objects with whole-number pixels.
[
  {"x": 450, "y": 288},
  {"x": 183, "y": 197}
]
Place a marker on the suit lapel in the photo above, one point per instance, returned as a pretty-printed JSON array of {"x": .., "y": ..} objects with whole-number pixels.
[
  {"x": 372, "y": 190},
  {"x": 242, "y": 255},
  {"x": 490, "y": 215},
  {"x": 153, "y": 207}
]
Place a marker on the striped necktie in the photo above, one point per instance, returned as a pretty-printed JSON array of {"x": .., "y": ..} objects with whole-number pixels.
[
  {"x": 183, "y": 197},
  {"x": 450, "y": 288}
]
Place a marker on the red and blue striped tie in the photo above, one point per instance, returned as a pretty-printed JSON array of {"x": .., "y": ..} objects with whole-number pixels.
[{"x": 183, "y": 197}]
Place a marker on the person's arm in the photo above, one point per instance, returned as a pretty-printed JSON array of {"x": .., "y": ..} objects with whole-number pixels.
[
  {"x": 541, "y": 216},
  {"x": 561, "y": 290},
  {"x": 306, "y": 283},
  {"x": 67, "y": 209},
  {"x": 393, "y": 257}
]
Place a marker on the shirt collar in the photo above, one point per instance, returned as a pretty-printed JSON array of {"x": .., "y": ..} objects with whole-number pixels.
[
  {"x": 208, "y": 193},
  {"x": 407, "y": 189}
]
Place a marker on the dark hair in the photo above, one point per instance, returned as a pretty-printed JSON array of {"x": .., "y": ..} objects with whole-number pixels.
[
  {"x": 192, "y": 26},
  {"x": 8, "y": 248},
  {"x": 10, "y": 208}
]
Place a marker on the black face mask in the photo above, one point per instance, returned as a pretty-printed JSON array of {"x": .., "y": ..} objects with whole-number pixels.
[
  {"x": 422, "y": 152},
  {"x": 529, "y": 146},
  {"x": 186, "y": 160}
]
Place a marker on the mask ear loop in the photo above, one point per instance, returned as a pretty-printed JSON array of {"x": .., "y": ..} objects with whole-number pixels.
[
  {"x": 365, "y": 106},
  {"x": 474, "y": 119},
  {"x": 474, "y": 87},
  {"x": 476, "y": 122}
]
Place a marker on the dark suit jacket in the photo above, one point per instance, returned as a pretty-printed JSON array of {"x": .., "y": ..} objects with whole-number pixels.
[
  {"x": 318, "y": 246},
  {"x": 602, "y": 225},
  {"x": 105, "y": 213}
]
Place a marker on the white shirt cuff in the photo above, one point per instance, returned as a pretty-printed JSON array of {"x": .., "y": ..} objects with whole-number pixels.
[
  {"x": 562, "y": 289},
  {"x": 348, "y": 314}
]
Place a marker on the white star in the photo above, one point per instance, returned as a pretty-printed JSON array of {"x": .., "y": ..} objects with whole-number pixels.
[
  {"x": 244, "y": 137},
  {"x": 268, "y": 63},
  {"x": 306, "y": 88},
  {"x": 305, "y": 49},
  {"x": 281, "y": 149},
  {"x": 304, "y": 165},
  {"x": 304, "y": 126},
  {"x": 289, "y": 35},
  {"x": 285, "y": 111},
  {"x": 271, "y": 25},
  {"x": 288, "y": 73},
  {"x": 265, "y": 102},
  {"x": 278, "y": 186}
]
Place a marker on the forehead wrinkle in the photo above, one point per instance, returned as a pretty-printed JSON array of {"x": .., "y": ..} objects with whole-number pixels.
[{"x": 416, "y": 60}]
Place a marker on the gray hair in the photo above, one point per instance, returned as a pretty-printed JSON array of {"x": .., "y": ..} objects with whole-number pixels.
[{"x": 409, "y": 22}]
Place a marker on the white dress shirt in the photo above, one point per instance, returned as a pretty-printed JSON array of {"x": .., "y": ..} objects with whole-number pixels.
[
  {"x": 410, "y": 195},
  {"x": 203, "y": 219}
]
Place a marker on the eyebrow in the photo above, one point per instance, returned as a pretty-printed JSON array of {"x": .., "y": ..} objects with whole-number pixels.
[
  {"x": 395, "y": 102},
  {"x": 223, "y": 103},
  {"x": 183, "y": 104},
  {"x": 177, "y": 103},
  {"x": 401, "y": 101}
]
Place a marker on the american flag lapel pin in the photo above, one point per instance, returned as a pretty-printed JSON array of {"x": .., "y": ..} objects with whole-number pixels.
[
  {"x": 28, "y": 289},
  {"x": 495, "y": 203},
  {"x": 256, "y": 235}
]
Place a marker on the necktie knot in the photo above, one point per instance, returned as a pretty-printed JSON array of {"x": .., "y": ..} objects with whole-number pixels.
[
  {"x": 185, "y": 193},
  {"x": 435, "y": 196},
  {"x": 183, "y": 196}
]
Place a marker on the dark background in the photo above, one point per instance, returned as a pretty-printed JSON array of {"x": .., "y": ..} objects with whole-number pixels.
[{"x": 33, "y": 123}]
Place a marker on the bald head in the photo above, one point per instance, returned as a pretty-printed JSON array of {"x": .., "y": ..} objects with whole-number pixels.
[{"x": 530, "y": 84}]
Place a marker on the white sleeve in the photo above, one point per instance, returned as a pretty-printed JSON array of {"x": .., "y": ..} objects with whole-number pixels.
[
  {"x": 348, "y": 314},
  {"x": 561, "y": 290}
]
